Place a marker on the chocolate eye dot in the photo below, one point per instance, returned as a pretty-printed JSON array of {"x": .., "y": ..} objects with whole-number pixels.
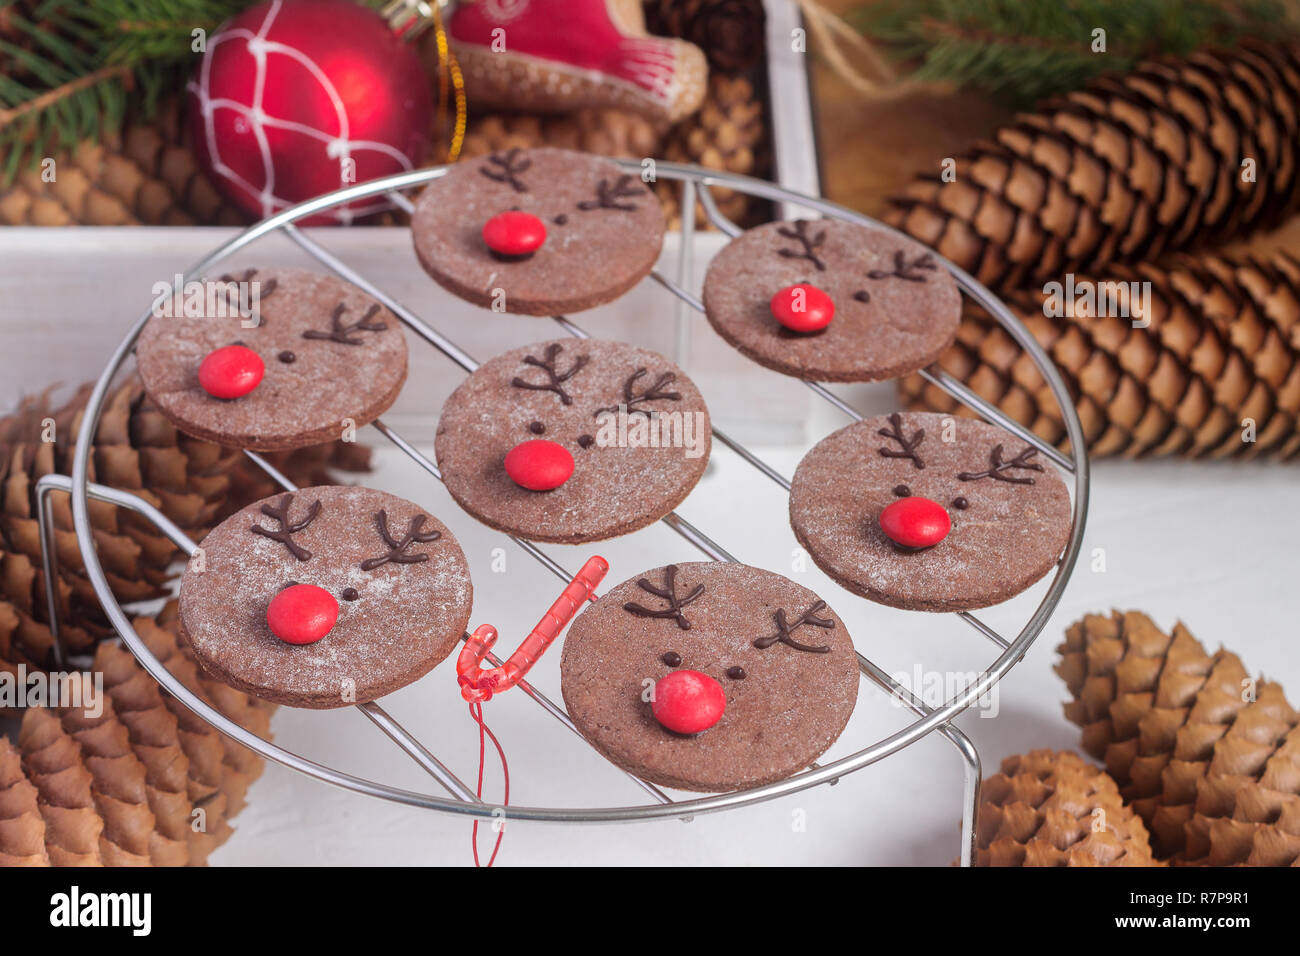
[
  {"x": 561, "y": 219},
  {"x": 961, "y": 504},
  {"x": 286, "y": 356},
  {"x": 736, "y": 673},
  {"x": 586, "y": 441},
  {"x": 537, "y": 428},
  {"x": 902, "y": 491},
  {"x": 672, "y": 659},
  {"x": 351, "y": 594},
  {"x": 862, "y": 295}
]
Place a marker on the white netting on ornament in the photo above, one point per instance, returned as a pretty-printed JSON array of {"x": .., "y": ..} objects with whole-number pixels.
[{"x": 254, "y": 119}]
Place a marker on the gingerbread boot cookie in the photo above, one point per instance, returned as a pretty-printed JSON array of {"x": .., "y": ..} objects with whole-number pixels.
[{"x": 559, "y": 55}]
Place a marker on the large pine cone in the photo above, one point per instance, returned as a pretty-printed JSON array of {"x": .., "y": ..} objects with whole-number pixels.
[
  {"x": 1177, "y": 153},
  {"x": 1215, "y": 374},
  {"x": 145, "y": 783},
  {"x": 1207, "y": 756},
  {"x": 1053, "y": 809}
]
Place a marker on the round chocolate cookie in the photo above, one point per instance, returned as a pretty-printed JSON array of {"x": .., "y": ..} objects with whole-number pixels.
[
  {"x": 573, "y": 440},
  {"x": 324, "y": 352},
  {"x": 602, "y": 230},
  {"x": 395, "y": 577},
  {"x": 770, "y": 674},
  {"x": 974, "y": 516},
  {"x": 895, "y": 308}
]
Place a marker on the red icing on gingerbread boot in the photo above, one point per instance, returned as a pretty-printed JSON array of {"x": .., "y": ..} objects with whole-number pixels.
[{"x": 559, "y": 55}]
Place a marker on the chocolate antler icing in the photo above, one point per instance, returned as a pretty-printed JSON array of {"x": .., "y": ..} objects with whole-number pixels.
[
  {"x": 652, "y": 393},
  {"x": 509, "y": 166},
  {"x": 669, "y": 593},
  {"x": 906, "y": 270},
  {"x": 398, "y": 551},
  {"x": 998, "y": 468},
  {"x": 809, "y": 244},
  {"x": 343, "y": 333},
  {"x": 264, "y": 289},
  {"x": 607, "y": 196},
  {"x": 284, "y": 534},
  {"x": 909, "y": 446},
  {"x": 555, "y": 378},
  {"x": 785, "y": 630}
]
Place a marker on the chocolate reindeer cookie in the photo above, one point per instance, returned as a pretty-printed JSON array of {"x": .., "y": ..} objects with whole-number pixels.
[
  {"x": 573, "y": 440},
  {"x": 271, "y": 360},
  {"x": 709, "y": 676},
  {"x": 832, "y": 301},
  {"x": 930, "y": 512},
  {"x": 325, "y": 596},
  {"x": 538, "y": 232}
]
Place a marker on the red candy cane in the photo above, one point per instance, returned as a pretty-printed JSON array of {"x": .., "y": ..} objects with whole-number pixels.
[{"x": 478, "y": 685}]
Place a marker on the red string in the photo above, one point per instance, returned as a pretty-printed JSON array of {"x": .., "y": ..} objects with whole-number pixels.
[{"x": 476, "y": 712}]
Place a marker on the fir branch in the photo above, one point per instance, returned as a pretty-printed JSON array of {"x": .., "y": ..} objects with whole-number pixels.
[
  {"x": 1024, "y": 50},
  {"x": 59, "y": 94}
]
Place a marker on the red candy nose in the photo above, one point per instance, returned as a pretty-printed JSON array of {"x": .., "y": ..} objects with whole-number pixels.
[
  {"x": 688, "y": 702},
  {"x": 514, "y": 233},
  {"x": 302, "y": 614},
  {"x": 231, "y": 372},
  {"x": 539, "y": 465},
  {"x": 915, "y": 522},
  {"x": 803, "y": 308}
]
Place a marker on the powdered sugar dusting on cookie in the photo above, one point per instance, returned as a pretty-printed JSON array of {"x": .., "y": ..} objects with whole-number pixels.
[
  {"x": 1005, "y": 535},
  {"x": 404, "y": 619},
  {"x": 614, "y": 488}
]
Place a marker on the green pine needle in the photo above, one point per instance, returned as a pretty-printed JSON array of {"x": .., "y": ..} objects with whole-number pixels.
[{"x": 1025, "y": 50}]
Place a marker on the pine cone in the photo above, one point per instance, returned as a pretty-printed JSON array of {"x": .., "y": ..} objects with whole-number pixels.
[
  {"x": 732, "y": 33},
  {"x": 22, "y": 828},
  {"x": 142, "y": 174},
  {"x": 606, "y": 132},
  {"x": 145, "y": 783},
  {"x": 728, "y": 133},
  {"x": 1207, "y": 757},
  {"x": 1053, "y": 809},
  {"x": 1222, "y": 350},
  {"x": 1177, "y": 153},
  {"x": 135, "y": 450}
]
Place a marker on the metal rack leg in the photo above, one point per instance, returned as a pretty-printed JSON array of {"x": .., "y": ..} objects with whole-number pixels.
[{"x": 965, "y": 748}]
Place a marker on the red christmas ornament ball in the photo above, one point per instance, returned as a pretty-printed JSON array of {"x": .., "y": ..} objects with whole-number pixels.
[
  {"x": 293, "y": 99},
  {"x": 803, "y": 308},
  {"x": 915, "y": 522},
  {"x": 514, "y": 233},
  {"x": 539, "y": 465},
  {"x": 302, "y": 614},
  {"x": 231, "y": 371},
  {"x": 688, "y": 702}
]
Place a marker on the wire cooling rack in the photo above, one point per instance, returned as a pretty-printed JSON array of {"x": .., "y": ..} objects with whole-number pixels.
[{"x": 695, "y": 184}]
